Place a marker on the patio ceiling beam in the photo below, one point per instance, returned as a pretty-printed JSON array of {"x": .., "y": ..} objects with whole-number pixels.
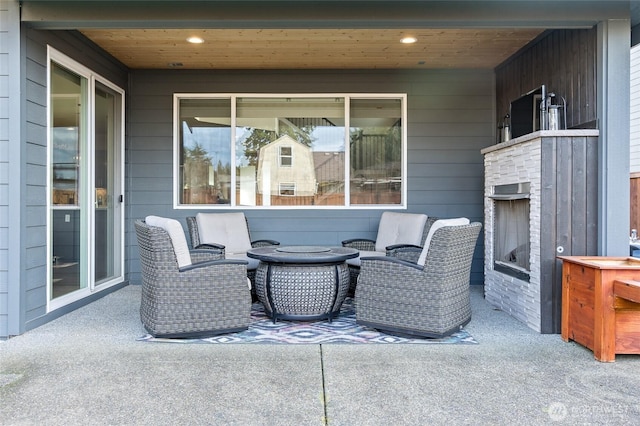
[{"x": 320, "y": 14}]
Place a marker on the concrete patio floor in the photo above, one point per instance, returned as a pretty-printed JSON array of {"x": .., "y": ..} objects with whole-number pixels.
[{"x": 87, "y": 368}]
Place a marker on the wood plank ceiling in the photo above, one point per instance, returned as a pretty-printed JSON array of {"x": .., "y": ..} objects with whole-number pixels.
[{"x": 311, "y": 48}]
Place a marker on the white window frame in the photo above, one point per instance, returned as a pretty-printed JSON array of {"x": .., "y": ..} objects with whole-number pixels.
[
  {"x": 282, "y": 156},
  {"x": 234, "y": 96},
  {"x": 287, "y": 186},
  {"x": 92, "y": 77}
]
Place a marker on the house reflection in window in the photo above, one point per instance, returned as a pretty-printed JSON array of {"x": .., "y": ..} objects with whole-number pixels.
[{"x": 290, "y": 179}]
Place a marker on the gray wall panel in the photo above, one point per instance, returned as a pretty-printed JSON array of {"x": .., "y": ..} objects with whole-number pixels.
[
  {"x": 36, "y": 195},
  {"x": 450, "y": 118},
  {"x": 36, "y": 134},
  {"x": 10, "y": 158},
  {"x": 34, "y": 277},
  {"x": 4, "y": 102},
  {"x": 36, "y": 216},
  {"x": 36, "y": 173}
]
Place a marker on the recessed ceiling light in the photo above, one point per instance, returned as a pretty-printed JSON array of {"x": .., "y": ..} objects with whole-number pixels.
[
  {"x": 195, "y": 40},
  {"x": 408, "y": 40}
]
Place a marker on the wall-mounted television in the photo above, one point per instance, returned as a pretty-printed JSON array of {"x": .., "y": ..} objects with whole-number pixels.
[{"x": 525, "y": 112}]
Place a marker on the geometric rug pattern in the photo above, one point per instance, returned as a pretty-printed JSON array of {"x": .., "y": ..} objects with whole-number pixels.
[{"x": 341, "y": 330}]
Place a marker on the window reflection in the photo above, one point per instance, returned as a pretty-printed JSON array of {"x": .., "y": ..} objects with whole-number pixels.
[
  {"x": 376, "y": 151},
  {"x": 66, "y": 149},
  {"x": 291, "y": 151},
  {"x": 205, "y": 151},
  {"x": 284, "y": 145}
]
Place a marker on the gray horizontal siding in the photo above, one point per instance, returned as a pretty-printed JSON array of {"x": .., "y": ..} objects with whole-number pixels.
[{"x": 450, "y": 119}]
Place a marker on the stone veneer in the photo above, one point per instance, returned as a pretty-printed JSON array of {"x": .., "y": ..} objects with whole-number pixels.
[
  {"x": 515, "y": 163},
  {"x": 571, "y": 190}
]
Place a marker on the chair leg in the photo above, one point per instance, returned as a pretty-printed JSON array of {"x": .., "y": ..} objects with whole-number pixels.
[
  {"x": 252, "y": 277},
  {"x": 354, "y": 271}
]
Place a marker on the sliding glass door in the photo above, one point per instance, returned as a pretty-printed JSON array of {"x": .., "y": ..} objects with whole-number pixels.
[
  {"x": 85, "y": 163},
  {"x": 107, "y": 226}
]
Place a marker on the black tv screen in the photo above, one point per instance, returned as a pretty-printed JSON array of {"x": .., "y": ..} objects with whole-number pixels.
[{"x": 525, "y": 113}]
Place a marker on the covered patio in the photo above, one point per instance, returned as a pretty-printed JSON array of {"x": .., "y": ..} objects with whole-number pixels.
[
  {"x": 471, "y": 60},
  {"x": 76, "y": 359}
]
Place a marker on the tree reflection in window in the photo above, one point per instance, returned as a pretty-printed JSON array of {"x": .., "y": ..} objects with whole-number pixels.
[{"x": 295, "y": 140}]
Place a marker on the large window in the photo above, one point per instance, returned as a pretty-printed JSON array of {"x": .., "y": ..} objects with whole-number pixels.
[{"x": 289, "y": 150}]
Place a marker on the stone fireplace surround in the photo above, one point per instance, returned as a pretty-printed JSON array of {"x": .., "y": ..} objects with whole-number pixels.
[{"x": 528, "y": 159}]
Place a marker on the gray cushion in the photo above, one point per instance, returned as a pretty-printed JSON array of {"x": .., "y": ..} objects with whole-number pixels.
[
  {"x": 399, "y": 228},
  {"x": 228, "y": 229}
]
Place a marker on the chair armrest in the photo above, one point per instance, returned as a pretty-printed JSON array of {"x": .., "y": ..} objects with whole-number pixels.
[
  {"x": 360, "y": 244},
  {"x": 353, "y": 240},
  {"x": 264, "y": 243},
  {"x": 209, "y": 263},
  {"x": 210, "y": 246},
  {"x": 395, "y": 247},
  {"x": 391, "y": 260},
  {"x": 407, "y": 252},
  {"x": 207, "y": 252},
  {"x": 201, "y": 255}
]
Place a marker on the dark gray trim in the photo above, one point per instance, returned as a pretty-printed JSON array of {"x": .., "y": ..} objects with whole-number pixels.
[
  {"x": 512, "y": 272},
  {"x": 635, "y": 35},
  {"x": 321, "y": 14}
]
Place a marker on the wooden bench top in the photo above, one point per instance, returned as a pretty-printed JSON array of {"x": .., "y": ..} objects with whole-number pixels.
[{"x": 627, "y": 289}]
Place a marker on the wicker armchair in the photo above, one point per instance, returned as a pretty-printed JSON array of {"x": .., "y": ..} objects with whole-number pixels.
[
  {"x": 231, "y": 239},
  {"x": 183, "y": 294},
  {"x": 396, "y": 231},
  {"x": 427, "y": 299}
]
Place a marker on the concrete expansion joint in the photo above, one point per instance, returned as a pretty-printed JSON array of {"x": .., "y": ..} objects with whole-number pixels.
[{"x": 325, "y": 418}]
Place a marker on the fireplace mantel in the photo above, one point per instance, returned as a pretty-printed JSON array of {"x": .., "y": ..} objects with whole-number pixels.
[{"x": 560, "y": 167}]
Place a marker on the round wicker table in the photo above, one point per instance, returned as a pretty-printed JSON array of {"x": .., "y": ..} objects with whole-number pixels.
[{"x": 302, "y": 282}]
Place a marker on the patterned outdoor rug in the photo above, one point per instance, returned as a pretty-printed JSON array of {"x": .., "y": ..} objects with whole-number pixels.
[{"x": 342, "y": 329}]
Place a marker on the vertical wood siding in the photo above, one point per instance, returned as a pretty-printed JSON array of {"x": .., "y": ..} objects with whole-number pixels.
[
  {"x": 450, "y": 119},
  {"x": 564, "y": 61},
  {"x": 569, "y": 217}
]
